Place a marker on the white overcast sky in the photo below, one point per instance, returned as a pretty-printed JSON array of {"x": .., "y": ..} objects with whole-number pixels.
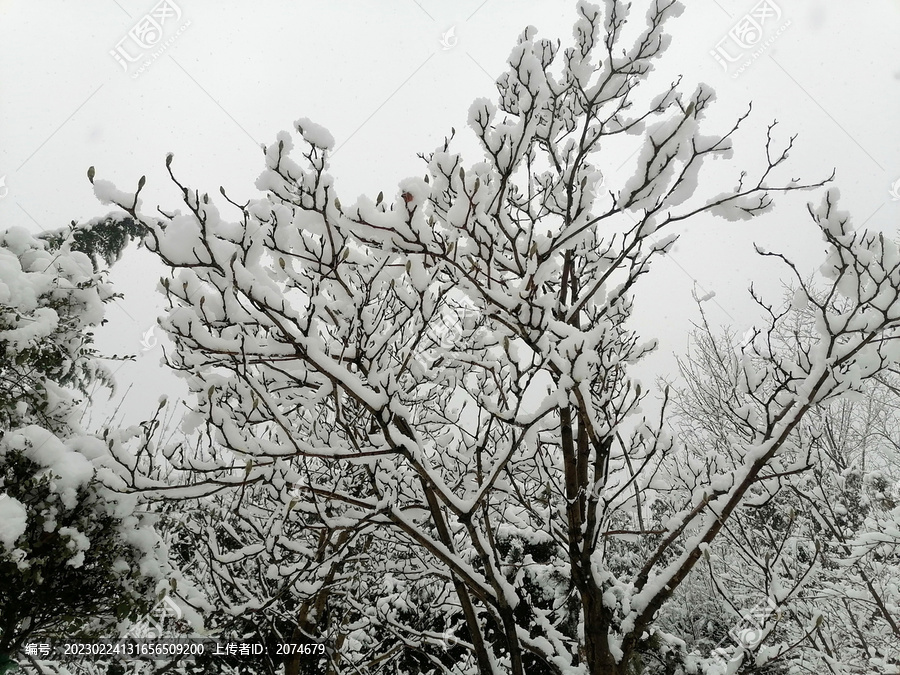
[{"x": 389, "y": 79}]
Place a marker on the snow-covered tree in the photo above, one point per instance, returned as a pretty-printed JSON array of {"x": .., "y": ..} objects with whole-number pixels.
[
  {"x": 75, "y": 560},
  {"x": 418, "y": 410},
  {"x": 827, "y": 532},
  {"x": 102, "y": 238}
]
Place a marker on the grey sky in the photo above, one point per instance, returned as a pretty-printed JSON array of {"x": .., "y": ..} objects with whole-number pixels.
[{"x": 389, "y": 79}]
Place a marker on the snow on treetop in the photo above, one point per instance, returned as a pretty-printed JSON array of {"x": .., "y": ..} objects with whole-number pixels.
[
  {"x": 108, "y": 193},
  {"x": 414, "y": 190},
  {"x": 17, "y": 240},
  {"x": 315, "y": 134}
]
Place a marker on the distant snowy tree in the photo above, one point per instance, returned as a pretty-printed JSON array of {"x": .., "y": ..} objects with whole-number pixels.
[
  {"x": 815, "y": 553},
  {"x": 419, "y": 439}
]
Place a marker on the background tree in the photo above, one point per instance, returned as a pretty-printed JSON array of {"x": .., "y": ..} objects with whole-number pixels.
[
  {"x": 828, "y": 531},
  {"x": 498, "y": 478},
  {"x": 103, "y": 238},
  {"x": 75, "y": 558}
]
